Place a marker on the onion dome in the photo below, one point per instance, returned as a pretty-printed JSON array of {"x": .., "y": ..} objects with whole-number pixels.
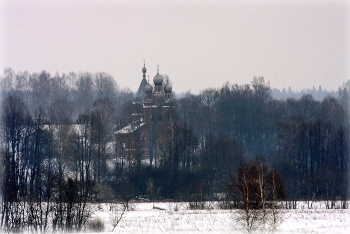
[
  {"x": 148, "y": 88},
  {"x": 144, "y": 69},
  {"x": 168, "y": 88},
  {"x": 158, "y": 79}
]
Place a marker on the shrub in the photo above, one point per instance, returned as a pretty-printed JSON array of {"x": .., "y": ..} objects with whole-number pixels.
[{"x": 96, "y": 225}]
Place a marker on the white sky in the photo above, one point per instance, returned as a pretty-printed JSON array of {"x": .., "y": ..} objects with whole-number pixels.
[{"x": 199, "y": 44}]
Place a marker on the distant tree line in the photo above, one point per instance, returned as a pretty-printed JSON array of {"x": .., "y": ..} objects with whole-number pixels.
[
  {"x": 317, "y": 93},
  {"x": 305, "y": 140},
  {"x": 58, "y": 146}
]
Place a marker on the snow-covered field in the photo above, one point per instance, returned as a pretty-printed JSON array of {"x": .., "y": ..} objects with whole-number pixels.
[{"x": 177, "y": 218}]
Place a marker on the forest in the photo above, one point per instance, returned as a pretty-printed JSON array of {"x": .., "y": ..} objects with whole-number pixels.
[{"x": 58, "y": 148}]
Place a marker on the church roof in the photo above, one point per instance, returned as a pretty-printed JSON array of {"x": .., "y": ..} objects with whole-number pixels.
[
  {"x": 140, "y": 95},
  {"x": 130, "y": 128}
]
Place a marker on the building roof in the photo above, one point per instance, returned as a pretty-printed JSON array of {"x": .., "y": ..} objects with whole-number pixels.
[
  {"x": 140, "y": 95},
  {"x": 130, "y": 128}
]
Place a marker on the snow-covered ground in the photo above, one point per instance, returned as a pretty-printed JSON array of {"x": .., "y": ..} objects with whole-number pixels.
[{"x": 177, "y": 218}]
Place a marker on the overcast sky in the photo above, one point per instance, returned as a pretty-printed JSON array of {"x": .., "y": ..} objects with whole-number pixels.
[{"x": 198, "y": 44}]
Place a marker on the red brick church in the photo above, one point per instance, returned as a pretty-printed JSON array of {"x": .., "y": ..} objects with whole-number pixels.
[{"x": 153, "y": 108}]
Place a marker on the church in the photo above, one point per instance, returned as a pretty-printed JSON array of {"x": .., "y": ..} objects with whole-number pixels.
[{"x": 153, "y": 108}]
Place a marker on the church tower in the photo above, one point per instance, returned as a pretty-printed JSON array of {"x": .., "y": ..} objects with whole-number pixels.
[
  {"x": 158, "y": 93},
  {"x": 152, "y": 110}
]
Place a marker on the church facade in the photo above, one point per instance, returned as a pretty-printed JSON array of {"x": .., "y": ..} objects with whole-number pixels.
[{"x": 153, "y": 108}]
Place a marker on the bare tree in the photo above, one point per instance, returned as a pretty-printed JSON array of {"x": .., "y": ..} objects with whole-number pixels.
[
  {"x": 85, "y": 94},
  {"x": 7, "y": 81},
  {"x": 102, "y": 125},
  {"x": 118, "y": 211},
  {"x": 258, "y": 189},
  {"x": 105, "y": 86},
  {"x": 17, "y": 129}
]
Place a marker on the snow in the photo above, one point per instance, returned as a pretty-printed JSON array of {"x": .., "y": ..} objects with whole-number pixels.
[
  {"x": 177, "y": 218},
  {"x": 130, "y": 128},
  {"x": 316, "y": 221}
]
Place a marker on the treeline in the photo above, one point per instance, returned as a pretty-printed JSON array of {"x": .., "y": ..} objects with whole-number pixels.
[
  {"x": 318, "y": 94},
  {"x": 59, "y": 151},
  {"x": 55, "y": 138},
  {"x": 305, "y": 140}
]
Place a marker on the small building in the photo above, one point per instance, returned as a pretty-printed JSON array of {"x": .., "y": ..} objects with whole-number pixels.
[{"x": 153, "y": 109}]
